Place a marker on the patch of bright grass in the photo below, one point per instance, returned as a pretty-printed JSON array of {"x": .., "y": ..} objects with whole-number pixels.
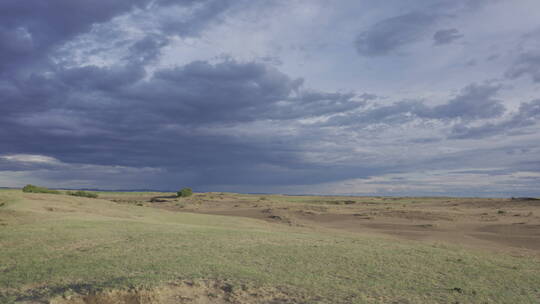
[
  {"x": 83, "y": 194},
  {"x": 37, "y": 189}
]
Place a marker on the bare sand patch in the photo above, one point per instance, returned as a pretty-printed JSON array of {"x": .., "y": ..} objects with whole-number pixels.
[{"x": 508, "y": 225}]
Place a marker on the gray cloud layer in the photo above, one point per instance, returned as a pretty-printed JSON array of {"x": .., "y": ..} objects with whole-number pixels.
[
  {"x": 527, "y": 64},
  {"x": 388, "y": 35},
  {"x": 131, "y": 94},
  {"x": 446, "y": 36}
]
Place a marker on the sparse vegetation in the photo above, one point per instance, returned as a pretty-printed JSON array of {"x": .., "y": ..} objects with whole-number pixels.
[
  {"x": 525, "y": 199},
  {"x": 185, "y": 192},
  {"x": 36, "y": 189},
  {"x": 105, "y": 245},
  {"x": 83, "y": 194}
]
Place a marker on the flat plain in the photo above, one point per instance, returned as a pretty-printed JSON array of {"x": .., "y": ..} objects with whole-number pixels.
[{"x": 149, "y": 247}]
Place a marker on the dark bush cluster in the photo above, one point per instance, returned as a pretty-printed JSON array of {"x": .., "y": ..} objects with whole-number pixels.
[
  {"x": 185, "y": 192},
  {"x": 37, "y": 189},
  {"x": 83, "y": 194}
]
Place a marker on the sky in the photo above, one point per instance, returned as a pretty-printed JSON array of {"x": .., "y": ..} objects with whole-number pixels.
[{"x": 364, "y": 97}]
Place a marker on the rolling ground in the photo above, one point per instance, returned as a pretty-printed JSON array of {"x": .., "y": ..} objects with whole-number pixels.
[
  {"x": 508, "y": 225},
  {"x": 233, "y": 248}
]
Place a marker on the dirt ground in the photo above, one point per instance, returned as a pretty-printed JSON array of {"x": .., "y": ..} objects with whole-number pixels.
[
  {"x": 188, "y": 292},
  {"x": 507, "y": 225}
]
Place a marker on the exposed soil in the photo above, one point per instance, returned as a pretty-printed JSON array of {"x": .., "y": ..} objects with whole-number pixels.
[
  {"x": 509, "y": 225},
  {"x": 188, "y": 292}
]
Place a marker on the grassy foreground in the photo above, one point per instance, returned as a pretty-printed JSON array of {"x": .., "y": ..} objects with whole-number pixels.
[{"x": 55, "y": 244}]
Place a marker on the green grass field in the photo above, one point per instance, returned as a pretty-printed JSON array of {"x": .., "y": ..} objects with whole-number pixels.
[{"x": 57, "y": 244}]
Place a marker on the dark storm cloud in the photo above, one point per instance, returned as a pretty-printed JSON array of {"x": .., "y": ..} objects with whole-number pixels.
[
  {"x": 201, "y": 92},
  {"x": 30, "y": 29},
  {"x": 473, "y": 102},
  {"x": 231, "y": 92},
  {"x": 493, "y": 57},
  {"x": 368, "y": 96},
  {"x": 388, "y": 35},
  {"x": 390, "y": 114},
  {"x": 203, "y": 12},
  {"x": 114, "y": 116},
  {"x": 446, "y": 36},
  {"x": 118, "y": 92},
  {"x": 527, "y": 64},
  {"x": 147, "y": 49},
  {"x": 527, "y": 115},
  {"x": 93, "y": 78}
]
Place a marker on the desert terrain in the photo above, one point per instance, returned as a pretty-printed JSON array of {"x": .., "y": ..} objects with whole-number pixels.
[
  {"x": 150, "y": 247},
  {"x": 508, "y": 225}
]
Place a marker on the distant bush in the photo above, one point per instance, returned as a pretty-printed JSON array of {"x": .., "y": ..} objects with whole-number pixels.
[
  {"x": 185, "y": 192},
  {"x": 83, "y": 194},
  {"x": 36, "y": 189},
  {"x": 525, "y": 199}
]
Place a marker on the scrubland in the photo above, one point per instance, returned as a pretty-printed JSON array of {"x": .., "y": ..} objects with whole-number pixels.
[{"x": 237, "y": 248}]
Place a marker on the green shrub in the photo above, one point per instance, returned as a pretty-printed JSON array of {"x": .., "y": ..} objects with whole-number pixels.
[
  {"x": 83, "y": 194},
  {"x": 185, "y": 192},
  {"x": 36, "y": 189}
]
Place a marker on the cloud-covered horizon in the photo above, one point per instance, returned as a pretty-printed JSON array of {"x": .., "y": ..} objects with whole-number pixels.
[{"x": 423, "y": 98}]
